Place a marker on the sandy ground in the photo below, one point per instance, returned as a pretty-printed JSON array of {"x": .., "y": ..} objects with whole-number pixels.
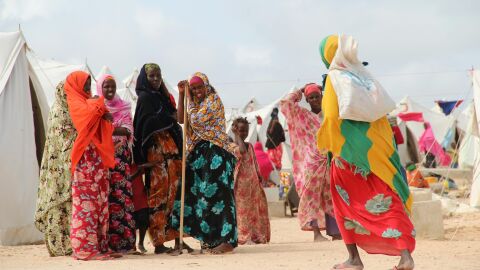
[{"x": 290, "y": 248}]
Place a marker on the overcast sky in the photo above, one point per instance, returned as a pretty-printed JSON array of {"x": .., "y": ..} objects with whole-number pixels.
[{"x": 260, "y": 48}]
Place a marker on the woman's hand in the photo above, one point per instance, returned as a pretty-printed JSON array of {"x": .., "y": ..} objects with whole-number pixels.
[
  {"x": 182, "y": 86},
  {"x": 108, "y": 116}
]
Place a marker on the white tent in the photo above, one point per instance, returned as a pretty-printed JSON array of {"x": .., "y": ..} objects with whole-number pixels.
[
  {"x": 51, "y": 72},
  {"x": 23, "y": 115},
  {"x": 475, "y": 192},
  {"x": 440, "y": 123},
  {"x": 252, "y": 105}
]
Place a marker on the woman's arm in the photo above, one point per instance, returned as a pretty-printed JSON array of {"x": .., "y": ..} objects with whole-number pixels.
[
  {"x": 182, "y": 85},
  {"x": 121, "y": 131}
]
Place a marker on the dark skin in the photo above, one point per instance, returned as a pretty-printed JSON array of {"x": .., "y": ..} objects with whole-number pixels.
[
  {"x": 87, "y": 89},
  {"x": 199, "y": 91},
  {"x": 141, "y": 170},
  {"x": 315, "y": 101},
  {"x": 109, "y": 88},
  {"x": 241, "y": 133},
  {"x": 154, "y": 78}
]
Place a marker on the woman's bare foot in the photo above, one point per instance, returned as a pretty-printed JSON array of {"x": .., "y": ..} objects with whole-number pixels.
[
  {"x": 162, "y": 249},
  {"x": 98, "y": 257},
  {"x": 317, "y": 236},
  {"x": 114, "y": 255},
  {"x": 337, "y": 237},
  {"x": 222, "y": 249},
  {"x": 141, "y": 248},
  {"x": 406, "y": 261},
  {"x": 348, "y": 265}
]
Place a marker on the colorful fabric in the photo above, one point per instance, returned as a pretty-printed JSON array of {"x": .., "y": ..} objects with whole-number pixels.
[
  {"x": 86, "y": 114},
  {"x": 164, "y": 181},
  {"x": 448, "y": 106},
  {"x": 139, "y": 193},
  {"x": 368, "y": 212},
  {"x": 89, "y": 229},
  {"x": 415, "y": 179},
  {"x": 312, "y": 88},
  {"x": 155, "y": 112},
  {"x": 428, "y": 143},
  {"x": 119, "y": 108},
  {"x": 250, "y": 201},
  {"x": 310, "y": 169},
  {"x": 275, "y": 156},
  {"x": 207, "y": 120},
  {"x": 411, "y": 116},
  {"x": 122, "y": 224},
  {"x": 263, "y": 161},
  {"x": 195, "y": 80},
  {"x": 369, "y": 146},
  {"x": 210, "y": 215},
  {"x": 54, "y": 202},
  {"x": 328, "y": 48}
]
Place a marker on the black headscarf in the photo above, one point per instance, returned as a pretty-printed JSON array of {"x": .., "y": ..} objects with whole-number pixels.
[
  {"x": 153, "y": 114},
  {"x": 275, "y": 135}
]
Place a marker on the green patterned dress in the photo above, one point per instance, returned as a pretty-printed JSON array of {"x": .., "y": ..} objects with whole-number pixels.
[{"x": 54, "y": 202}]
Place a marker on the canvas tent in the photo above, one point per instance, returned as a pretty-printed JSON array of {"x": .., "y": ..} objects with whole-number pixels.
[
  {"x": 23, "y": 117},
  {"x": 51, "y": 72},
  {"x": 260, "y": 131},
  {"x": 475, "y": 191}
]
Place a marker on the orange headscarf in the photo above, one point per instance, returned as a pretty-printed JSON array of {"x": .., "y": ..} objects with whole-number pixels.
[{"x": 86, "y": 114}]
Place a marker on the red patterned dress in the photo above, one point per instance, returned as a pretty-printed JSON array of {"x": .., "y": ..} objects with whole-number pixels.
[
  {"x": 250, "y": 201},
  {"x": 88, "y": 232}
]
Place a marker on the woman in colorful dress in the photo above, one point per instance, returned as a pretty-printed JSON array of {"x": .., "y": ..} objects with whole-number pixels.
[
  {"x": 54, "y": 203},
  {"x": 250, "y": 200},
  {"x": 121, "y": 232},
  {"x": 275, "y": 139},
  {"x": 158, "y": 139},
  {"x": 92, "y": 157},
  {"x": 209, "y": 197},
  {"x": 310, "y": 169},
  {"x": 370, "y": 196}
]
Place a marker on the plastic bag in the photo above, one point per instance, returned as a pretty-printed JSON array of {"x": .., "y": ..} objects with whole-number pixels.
[{"x": 360, "y": 96}]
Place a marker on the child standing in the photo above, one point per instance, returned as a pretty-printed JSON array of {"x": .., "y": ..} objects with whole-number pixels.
[
  {"x": 141, "y": 214},
  {"x": 250, "y": 200}
]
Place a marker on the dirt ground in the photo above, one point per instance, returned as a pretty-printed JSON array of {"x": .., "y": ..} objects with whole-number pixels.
[{"x": 290, "y": 248}]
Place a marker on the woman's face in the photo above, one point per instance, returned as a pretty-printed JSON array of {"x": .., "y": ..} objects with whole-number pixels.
[
  {"x": 315, "y": 101},
  {"x": 109, "y": 88},
  {"x": 87, "y": 86},
  {"x": 199, "y": 91},
  {"x": 154, "y": 77}
]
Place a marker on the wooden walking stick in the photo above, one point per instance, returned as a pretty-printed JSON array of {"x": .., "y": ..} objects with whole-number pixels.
[{"x": 184, "y": 163}]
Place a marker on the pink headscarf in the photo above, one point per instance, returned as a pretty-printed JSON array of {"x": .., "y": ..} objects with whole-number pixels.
[
  {"x": 312, "y": 88},
  {"x": 120, "y": 109}
]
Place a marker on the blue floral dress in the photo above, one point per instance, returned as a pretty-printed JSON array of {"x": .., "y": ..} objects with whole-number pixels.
[{"x": 209, "y": 197}]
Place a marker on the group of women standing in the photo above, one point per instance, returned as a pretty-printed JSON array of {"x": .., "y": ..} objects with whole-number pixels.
[{"x": 91, "y": 201}]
